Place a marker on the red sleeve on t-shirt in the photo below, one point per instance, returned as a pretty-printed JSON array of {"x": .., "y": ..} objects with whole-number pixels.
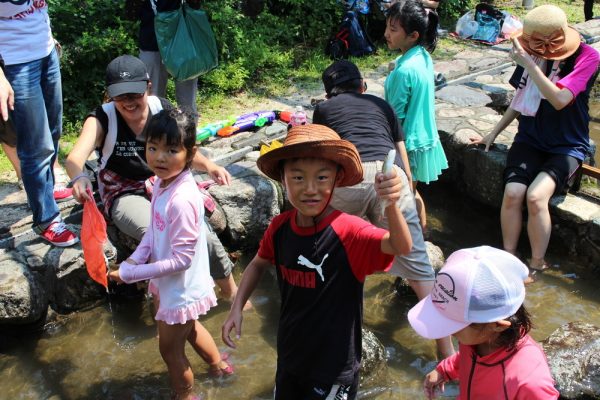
[
  {"x": 265, "y": 248},
  {"x": 362, "y": 242}
]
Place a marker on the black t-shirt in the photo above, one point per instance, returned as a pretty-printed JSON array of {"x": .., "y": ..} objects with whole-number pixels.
[
  {"x": 367, "y": 121},
  {"x": 147, "y": 38},
  {"x": 321, "y": 273},
  {"x": 128, "y": 158}
]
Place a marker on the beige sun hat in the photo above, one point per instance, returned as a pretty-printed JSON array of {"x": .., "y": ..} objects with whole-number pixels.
[
  {"x": 546, "y": 33},
  {"x": 314, "y": 141}
]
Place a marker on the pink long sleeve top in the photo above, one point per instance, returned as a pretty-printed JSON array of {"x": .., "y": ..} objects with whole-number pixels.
[
  {"x": 173, "y": 253},
  {"x": 521, "y": 374}
]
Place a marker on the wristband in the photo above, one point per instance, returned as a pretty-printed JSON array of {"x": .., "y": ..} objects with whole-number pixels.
[{"x": 79, "y": 176}]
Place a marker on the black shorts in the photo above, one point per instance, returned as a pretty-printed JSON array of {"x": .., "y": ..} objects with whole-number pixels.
[
  {"x": 291, "y": 387},
  {"x": 525, "y": 162}
]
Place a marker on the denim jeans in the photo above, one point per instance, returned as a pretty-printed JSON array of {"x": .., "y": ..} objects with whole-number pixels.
[{"x": 37, "y": 119}]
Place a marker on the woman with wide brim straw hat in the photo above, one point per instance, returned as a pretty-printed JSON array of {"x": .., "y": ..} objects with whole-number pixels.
[{"x": 554, "y": 75}]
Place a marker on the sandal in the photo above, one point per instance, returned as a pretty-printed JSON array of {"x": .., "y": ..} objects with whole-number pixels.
[
  {"x": 538, "y": 267},
  {"x": 220, "y": 372}
]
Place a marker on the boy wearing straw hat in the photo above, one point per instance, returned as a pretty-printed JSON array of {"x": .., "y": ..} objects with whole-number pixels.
[{"x": 322, "y": 257}]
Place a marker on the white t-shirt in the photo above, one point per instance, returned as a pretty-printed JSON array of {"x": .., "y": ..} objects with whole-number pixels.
[{"x": 25, "y": 33}]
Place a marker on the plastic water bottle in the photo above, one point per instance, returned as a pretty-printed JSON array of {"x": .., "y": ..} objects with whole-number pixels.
[{"x": 298, "y": 117}]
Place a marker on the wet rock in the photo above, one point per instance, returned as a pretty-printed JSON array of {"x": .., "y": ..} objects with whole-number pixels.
[
  {"x": 23, "y": 297},
  {"x": 373, "y": 358},
  {"x": 482, "y": 175},
  {"x": 436, "y": 258},
  {"x": 249, "y": 204},
  {"x": 573, "y": 353},
  {"x": 66, "y": 280}
]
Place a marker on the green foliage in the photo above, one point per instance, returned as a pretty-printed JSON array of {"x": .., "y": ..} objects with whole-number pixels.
[
  {"x": 269, "y": 46},
  {"x": 91, "y": 32},
  {"x": 451, "y": 10}
]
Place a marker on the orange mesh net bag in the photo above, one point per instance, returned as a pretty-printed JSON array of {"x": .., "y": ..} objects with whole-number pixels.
[{"x": 93, "y": 237}]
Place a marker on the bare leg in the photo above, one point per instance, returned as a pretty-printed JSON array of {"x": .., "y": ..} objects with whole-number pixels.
[
  {"x": 420, "y": 207},
  {"x": 445, "y": 348},
  {"x": 204, "y": 344},
  {"x": 11, "y": 154},
  {"x": 227, "y": 286},
  {"x": 511, "y": 217},
  {"x": 171, "y": 343},
  {"x": 229, "y": 289},
  {"x": 539, "y": 225}
]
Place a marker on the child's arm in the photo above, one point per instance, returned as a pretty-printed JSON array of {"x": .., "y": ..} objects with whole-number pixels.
[
  {"x": 559, "y": 98},
  {"x": 433, "y": 382},
  {"x": 217, "y": 173},
  {"x": 252, "y": 275},
  {"x": 401, "y": 148},
  {"x": 488, "y": 139},
  {"x": 183, "y": 232},
  {"x": 447, "y": 370},
  {"x": 398, "y": 241}
]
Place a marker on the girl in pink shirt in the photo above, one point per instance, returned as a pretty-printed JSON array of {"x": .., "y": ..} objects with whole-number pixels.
[
  {"x": 478, "y": 298},
  {"x": 173, "y": 252}
]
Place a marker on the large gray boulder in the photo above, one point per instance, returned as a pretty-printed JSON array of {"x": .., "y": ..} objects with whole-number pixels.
[
  {"x": 66, "y": 280},
  {"x": 573, "y": 352},
  {"x": 23, "y": 297},
  {"x": 249, "y": 204}
]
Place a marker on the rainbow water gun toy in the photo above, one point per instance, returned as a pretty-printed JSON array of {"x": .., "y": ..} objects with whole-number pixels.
[
  {"x": 254, "y": 119},
  {"x": 208, "y": 130}
]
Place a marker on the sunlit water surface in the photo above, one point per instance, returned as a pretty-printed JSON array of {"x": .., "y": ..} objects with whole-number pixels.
[{"x": 104, "y": 354}]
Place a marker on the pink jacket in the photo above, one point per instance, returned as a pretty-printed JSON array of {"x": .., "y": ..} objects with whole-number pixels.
[{"x": 521, "y": 374}]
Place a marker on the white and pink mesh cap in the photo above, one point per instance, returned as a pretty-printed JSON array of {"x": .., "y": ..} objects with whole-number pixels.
[{"x": 480, "y": 284}]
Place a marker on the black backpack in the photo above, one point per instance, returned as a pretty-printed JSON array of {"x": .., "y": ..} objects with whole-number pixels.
[{"x": 350, "y": 40}]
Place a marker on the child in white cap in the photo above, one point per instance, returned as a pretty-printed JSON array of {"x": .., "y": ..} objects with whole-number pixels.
[{"x": 478, "y": 298}]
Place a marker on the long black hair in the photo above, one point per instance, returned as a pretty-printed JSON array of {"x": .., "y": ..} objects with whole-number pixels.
[
  {"x": 177, "y": 126},
  {"x": 413, "y": 17}
]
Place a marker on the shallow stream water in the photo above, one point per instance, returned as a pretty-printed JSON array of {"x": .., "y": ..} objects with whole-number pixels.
[{"x": 99, "y": 354}]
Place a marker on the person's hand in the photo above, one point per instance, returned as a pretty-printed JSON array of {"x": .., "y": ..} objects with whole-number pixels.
[
  {"x": 233, "y": 321},
  {"x": 433, "y": 381},
  {"x": 115, "y": 276},
  {"x": 220, "y": 175},
  {"x": 7, "y": 97},
  {"x": 388, "y": 186},
  {"x": 487, "y": 140},
  {"x": 519, "y": 55},
  {"x": 81, "y": 189}
]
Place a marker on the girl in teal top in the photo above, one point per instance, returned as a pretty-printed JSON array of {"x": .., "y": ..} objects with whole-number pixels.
[{"x": 410, "y": 89}]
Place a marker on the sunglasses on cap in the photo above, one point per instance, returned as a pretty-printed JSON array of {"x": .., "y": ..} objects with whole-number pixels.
[{"x": 128, "y": 96}]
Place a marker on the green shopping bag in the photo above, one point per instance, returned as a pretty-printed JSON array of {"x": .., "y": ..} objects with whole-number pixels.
[{"x": 186, "y": 42}]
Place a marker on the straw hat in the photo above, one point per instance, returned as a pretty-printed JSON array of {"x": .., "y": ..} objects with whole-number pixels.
[
  {"x": 314, "y": 141},
  {"x": 547, "y": 35}
]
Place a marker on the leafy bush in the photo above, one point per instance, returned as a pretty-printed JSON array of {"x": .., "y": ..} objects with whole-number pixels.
[
  {"x": 451, "y": 10},
  {"x": 91, "y": 32},
  {"x": 272, "y": 44}
]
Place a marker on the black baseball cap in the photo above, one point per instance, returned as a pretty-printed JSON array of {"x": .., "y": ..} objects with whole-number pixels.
[
  {"x": 339, "y": 72},
  {"x": 126, "y": 74}
]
